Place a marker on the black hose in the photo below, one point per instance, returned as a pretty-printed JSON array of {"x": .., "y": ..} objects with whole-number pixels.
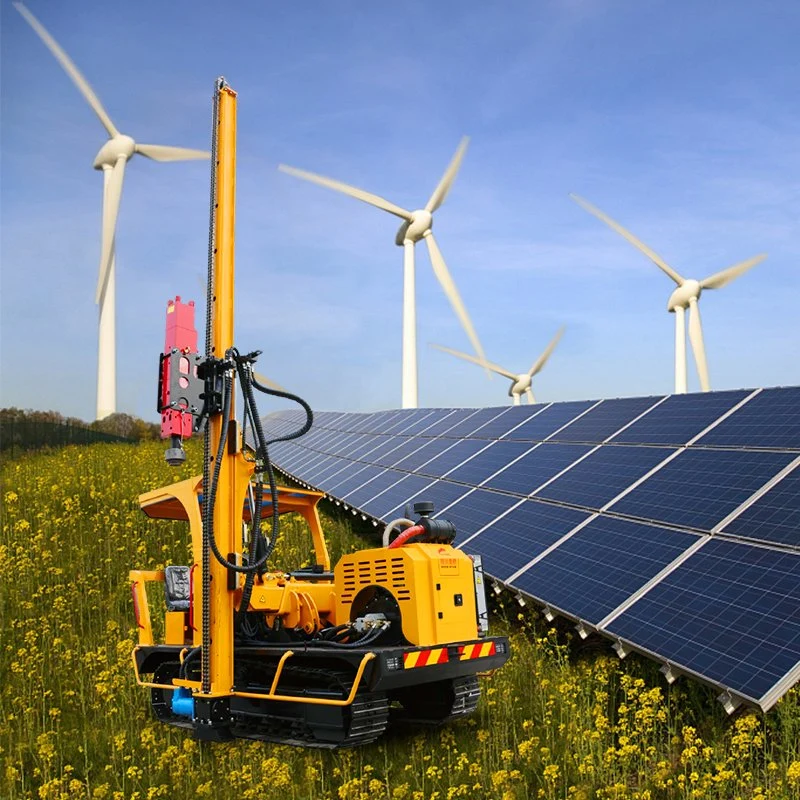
[
  {"x": 192, "y": 654},
  {"x": 212, "y": 490},
  {"x": 247, "y": 381}
]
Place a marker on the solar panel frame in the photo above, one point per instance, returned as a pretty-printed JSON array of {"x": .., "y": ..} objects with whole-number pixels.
[
  {"x": 774, "y": 517},
  {"x": 602, "y": 474},
  {"x": 523, "y": 532},
  {"x": 686, "y": 593},
  {"x": 546, "y": 422},
  {"x": 681, "y": 418},
  {"x": 699, "y": 488},
  {"x": 489, "y": 513},
  {"x": 771, "y": 419},
  {"x": 608, "y": 560},
  {"x": 540, "y": 463},
  {"x": 605, "y": 419}
]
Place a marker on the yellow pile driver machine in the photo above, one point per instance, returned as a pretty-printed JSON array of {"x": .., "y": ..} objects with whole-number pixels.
[{"x": 315, "y": 657}]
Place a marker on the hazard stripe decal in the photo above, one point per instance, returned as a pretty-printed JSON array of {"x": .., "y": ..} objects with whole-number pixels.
[
  {"x": 424, "y": 658},
  {"x": 439, "y": 655},
  {"x": 480, "y": 650}
]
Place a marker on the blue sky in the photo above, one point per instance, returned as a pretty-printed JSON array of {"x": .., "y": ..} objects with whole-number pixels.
[{"x": 678, "y": 119}]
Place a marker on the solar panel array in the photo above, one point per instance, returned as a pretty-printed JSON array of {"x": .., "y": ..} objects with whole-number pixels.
[{"x": 670, "y": 524}]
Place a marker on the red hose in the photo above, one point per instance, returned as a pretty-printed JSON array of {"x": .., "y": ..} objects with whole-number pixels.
[{"x": 408, "y": 533}]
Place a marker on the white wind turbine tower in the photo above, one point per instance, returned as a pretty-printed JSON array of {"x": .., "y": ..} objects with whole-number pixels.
[
  {"x": 416, "y": 225},
  {"x": 520, "y": 383},
  {"x": 686, "y": 295},
  {"x": 112, "y": 158}
]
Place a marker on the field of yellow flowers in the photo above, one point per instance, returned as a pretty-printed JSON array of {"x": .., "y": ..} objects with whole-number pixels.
[{"x": 555, "y": 722}]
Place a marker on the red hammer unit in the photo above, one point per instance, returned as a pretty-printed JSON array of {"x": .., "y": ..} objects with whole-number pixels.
[{"x": 179, "y": 387}]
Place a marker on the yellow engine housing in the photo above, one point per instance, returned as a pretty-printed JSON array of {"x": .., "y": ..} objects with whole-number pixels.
[{"x": 433, "y": 584}]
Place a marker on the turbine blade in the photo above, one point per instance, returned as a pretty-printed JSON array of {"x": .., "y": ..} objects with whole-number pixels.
[
  {"x": 542, "y": 360},
  {"x": 162, "y": 152},
  {"x": 263, "y": 379},
  {"x": 450, "y": 290},
  {"x": 111, "y": 198},
  {"x": 725, "y": 276},
  {"x": 475, "y": 360},
  {"x": 698, "y": 347},
  {"x": 637, "y": 243},
  {"x": 440, "y": 192},
  {"x": 359, "y": 194},
  {"x": 70, "y": 69}
]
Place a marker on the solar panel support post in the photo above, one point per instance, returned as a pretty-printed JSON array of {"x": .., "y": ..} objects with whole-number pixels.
[
  {"x": 549, "y": 615},
  {"x": 583, "y": 631},
  {"x": 669, "y": 672},
  {"x": 621, "y": 648},
  {"x": 730, "y": 701}
]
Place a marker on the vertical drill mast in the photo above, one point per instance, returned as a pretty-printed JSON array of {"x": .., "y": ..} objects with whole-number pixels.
[{"x": 218, "y": 601}]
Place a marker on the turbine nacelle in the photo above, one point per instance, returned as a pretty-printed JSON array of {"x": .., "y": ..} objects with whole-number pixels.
[
  {"x": 520, "y": 385},
  {"x": 414, "y": 229},
  {"x": 116, "y": 147},
  {"x": 689, "y": 290}
]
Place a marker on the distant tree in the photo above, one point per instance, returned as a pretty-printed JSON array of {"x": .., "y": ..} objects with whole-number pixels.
[
  {"x": 124, "y": 425},
  {"x": 127, "y": 425}
]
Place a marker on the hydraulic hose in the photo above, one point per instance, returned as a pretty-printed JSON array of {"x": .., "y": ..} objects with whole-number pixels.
[
  {"x": 408, "y": 533},
  {"x": 387, "y": 531}
]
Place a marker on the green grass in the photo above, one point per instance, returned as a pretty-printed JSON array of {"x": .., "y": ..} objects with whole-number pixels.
[{"x": 560, "y": 720}]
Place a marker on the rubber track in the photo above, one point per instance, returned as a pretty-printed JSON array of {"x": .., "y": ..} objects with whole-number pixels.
[{"x": 368, "y": 714}]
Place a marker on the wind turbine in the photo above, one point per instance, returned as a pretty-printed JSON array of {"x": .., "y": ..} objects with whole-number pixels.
[
  {"x": 416, "y": 225},
  {"x": 686, "y": 295},
  {"x": 112, "y": 159},
  {"x": 520, "y": 384}
]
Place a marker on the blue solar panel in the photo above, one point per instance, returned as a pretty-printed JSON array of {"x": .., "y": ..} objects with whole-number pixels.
[
  {"x": 730, "y": 612},
  {"x": 602, "y": 421},
  {"x": 369, "y": 422},
  {"x": 680, "y": 418},
  {"x": 364, "y": 447},
  {"x": 700, "y": 488},
  {"x": 309, "y": 463},
  {"x": 775, "y": 517},
  {"x": 366, "y": 491},
  {"x": 541, "y": 471},
  {"x": 521, "y": 535},
  {"x": 475, "y": 510},
  {"x": 347, "y": 480},
  {"x": 324, "y": 473},
  {"x": 387, "y": 421},
  {"x": 505, "y": 423},
  {"x": 471, "y": 426},
  {"x": 384, "y": 445},
  {"x": 441, "y": 420},
  {"x": 600, "y": 566},
  {"x": 454, "y": 455},
  {"x": 300, "y": 457},
  {"x": 405, "y": 448},
  {"x": 536, "y": 467},
  {"x": 486, "y": 462},
  {"x": 427, "y": 451},
  {"x": 601, "y": 476},
  {"x": 410, "y": 490},
  {"x": 770, "y": 419},
  {"x": 397, "y": 495},
  {"x": 338, "y": 444},
  {"x": 543, "y": 423}
]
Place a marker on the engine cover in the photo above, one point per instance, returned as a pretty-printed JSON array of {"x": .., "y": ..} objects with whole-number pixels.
[{"x": 433, "y": 585}]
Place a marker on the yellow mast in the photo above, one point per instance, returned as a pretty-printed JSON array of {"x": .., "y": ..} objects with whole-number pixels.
[{"x": 235, "y": 472}]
